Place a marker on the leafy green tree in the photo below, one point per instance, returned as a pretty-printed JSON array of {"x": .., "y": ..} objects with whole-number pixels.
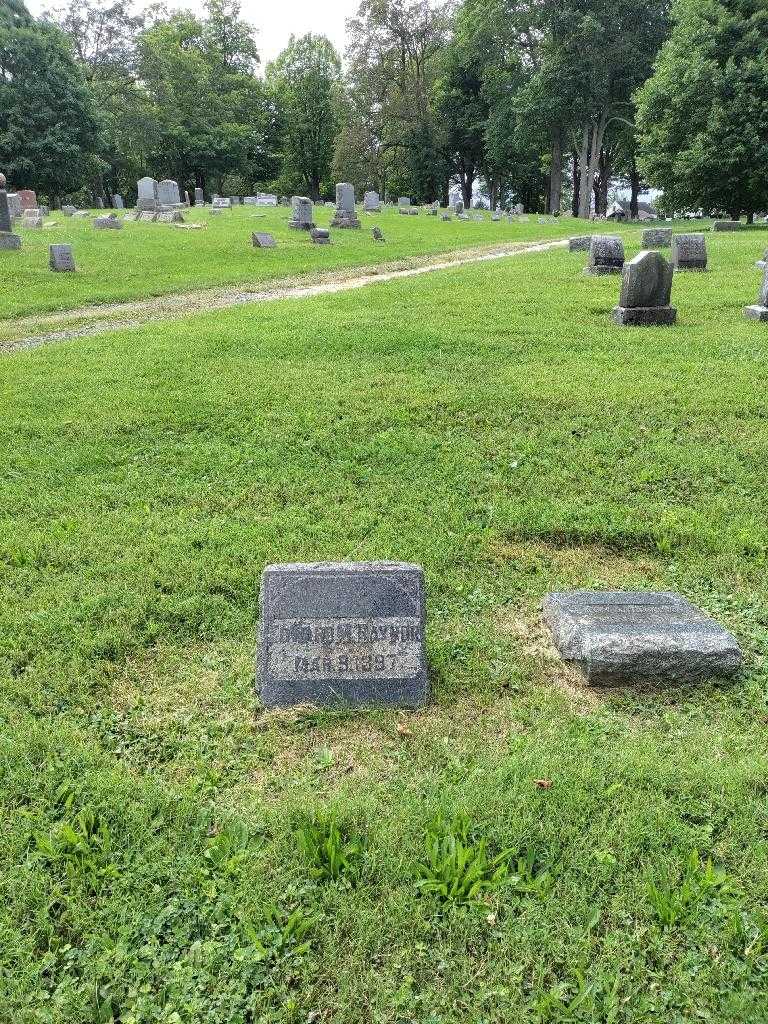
[
  {"x": 49, "y": 132},
  {"x": 703, "y": 115},
  {"x": 305, "y": 83}
]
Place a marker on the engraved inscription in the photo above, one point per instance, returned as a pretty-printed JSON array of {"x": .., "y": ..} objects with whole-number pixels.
[{"x": 383, "y": 648}]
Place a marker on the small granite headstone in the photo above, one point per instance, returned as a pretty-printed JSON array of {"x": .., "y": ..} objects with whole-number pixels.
[
  {"x": 170, "y": 217},
  {"x": 302, "y": 214},
  {"x": 579, "y": 243},
  {"x": 61, "y": 259},
  {"x": 657, "y": 238},
  {"x": 760, "y": 310},
  {"x": 168, "y": 193},
  {"x": 27, "y": 198},
  {"x": 263, "y": 240},
  {"x": 8, "y": 240},
  {"x": 404, "y": 203},
  {"x": 110, "y": 221},
  {"x": 199, "y": 197},
  {"x": 147, "y": 217},
  {"x": 727, "y": 225},
  {"x": 117, "y": 202},
  {"x": 146, "y": 189},
  {"x": 32, "y": 218},
  {"x": 606, "y": 255},
  {"x": 320, "y": 236},
  {"x": 221, "y": 203},
  {"x": 371, "y": 202},
  {"x": 446, "y": 216},
  {"x": 14, "y": 205},
  {"x": 342, "y": 633},
  {"x": 345, "y": 215},
  {"x": 266, "y": 199},
  {"x": 646, "y": 288},
  {"x": 617, "y": 637},
  {"x": 458, "y": 207},
  {"x": 689, "y": 252}
]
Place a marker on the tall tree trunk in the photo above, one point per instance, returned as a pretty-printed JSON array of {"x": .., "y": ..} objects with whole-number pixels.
[
  {"x": 576, "y": 183},
  {"x": 591, "y": 144},
  {"x": 634, "y": 184},
  {"x": 750, "y": 216},
  {"x": 556, "y": 171}
]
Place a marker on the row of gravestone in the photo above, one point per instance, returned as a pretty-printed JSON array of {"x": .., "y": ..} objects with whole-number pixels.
[
  {"x": 646, "y": 287},
  {"x": 354, "y": 633}
]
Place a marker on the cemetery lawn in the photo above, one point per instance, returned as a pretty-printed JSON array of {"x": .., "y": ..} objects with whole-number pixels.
[{"x": 170, "y": 854}]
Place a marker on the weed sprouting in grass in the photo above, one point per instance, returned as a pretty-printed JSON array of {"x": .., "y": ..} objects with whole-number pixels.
[
  {"x": 331, "y": 851},
  {"x": 80, "y": 846},
  {"x": 675, "y": 900},
  {"x": 226, "y": 851}
]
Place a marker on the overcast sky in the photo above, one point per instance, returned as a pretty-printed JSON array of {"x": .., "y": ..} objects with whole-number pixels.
[{"x": 274, "y": 20}]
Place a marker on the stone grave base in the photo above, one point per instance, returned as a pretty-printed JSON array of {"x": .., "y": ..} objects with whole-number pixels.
[
  {"x": 600, "y": 271},
  {"x": 301, "y": 227},
  {"x": 9, "y": 241},
  {"x": 697, "y": 268},
  {"x": 756, "y": 312},
  {"x": 345, "y": 220},
  {"x": 645, "y": 316}
]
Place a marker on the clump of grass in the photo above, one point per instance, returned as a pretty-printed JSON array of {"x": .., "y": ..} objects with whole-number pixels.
[
  {"x": 331, "y": 851},
  {"x": 674, "y": 901}
]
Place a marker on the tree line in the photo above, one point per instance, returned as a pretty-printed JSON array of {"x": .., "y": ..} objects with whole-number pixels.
[{"x": 543, "y": 102}]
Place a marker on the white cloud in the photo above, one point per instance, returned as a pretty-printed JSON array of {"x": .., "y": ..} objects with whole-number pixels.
[{"x": 274, "y": 24}]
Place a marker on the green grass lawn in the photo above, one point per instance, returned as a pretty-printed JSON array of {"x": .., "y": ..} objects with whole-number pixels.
[
  {"x": 170, "y": 854},
  {"x": 143, "y": 260}
]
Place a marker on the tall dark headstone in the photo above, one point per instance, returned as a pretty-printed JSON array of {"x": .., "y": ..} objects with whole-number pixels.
[{"x": 5, "y": 212}]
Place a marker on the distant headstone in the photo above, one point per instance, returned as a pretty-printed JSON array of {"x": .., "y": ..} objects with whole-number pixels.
[
  {"x": 345, "y": 215},
  {"x": 579, "y": 243},
  {"x": 170, "y": 217},
  {"x": 234, "y": 200},
  {"x": 27, "y": 199},
  {"x": 221, "y": 203},
  {"x": 689, "y": 252},
  {"x": 496, "y": 216},
  {"x": 81, "y": 214},
  {"x": 618, "y": 637},
  {"x": 763, "y": 263},
  {"x": 646, "y": 288},
  {"x": 446, "y": 216},
  {"x": 32, "y": 218},
  {"x": 371, "y": 202},
  {"x": 99, "y": 203},
  {"x": 727, "y": 225},
  {"x": 378, "y": 235},
  {"x": 266, "y": 199},
  {"x": 760, "y": 310},
  {"x": 147, "y": 217},
  {"x": 250, "y": 201},
  {"x": 7, "y": 238},
  {"x": 302, "y": 214},
  {"x": 14, "y": 205},
  {"x": 458, "y": 207},
  {"x": 61, "y": 258},
  {"x": 606, "y": 255},
  {"x": 263, "y": 240},
  {"x": 168, "y": 193},
  {"x": 518, "y": 209},
  {"x": 117, "y": 202},
  {"x": 199, "y": 197},
  {"x": 110, "y": 221},
  {"x": 186, "y": 198},
  {"x": 146, "y": 194},
  {"x": 404, "y": 203},
  {"x": 320, "y": 236},
  {"x": 657, "y": 238},
  {"x": 349, "y": 633}
]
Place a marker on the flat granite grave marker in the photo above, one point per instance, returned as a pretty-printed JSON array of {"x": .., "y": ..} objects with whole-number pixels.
[
  {"x": 110, "y": 221},
  {"x": 606, "y": 255},
  {"x": 320, "y": 236},
  {"x": 646, "y": 288},
  {"x": 727, "y": 225},
  {"x": 61, "y": 258},
  {"x": 760, "y": 310},
  {"x": 342, "y": 633},
  {"x": 657, "y": 238},
  {"x": 618, "y": 636},
  {"x": 263, "y": 240},
  {"x": 689, "y": 252},
  {"x": 221, "y": 203}
]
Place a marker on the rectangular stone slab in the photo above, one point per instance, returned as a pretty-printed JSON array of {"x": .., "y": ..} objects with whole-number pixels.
[
  {"x": 644, "y": 316},
  {"x": 619, "y": 636},
  {"x": 263, "y": 240},
  {"x": 342, "y": 633}
]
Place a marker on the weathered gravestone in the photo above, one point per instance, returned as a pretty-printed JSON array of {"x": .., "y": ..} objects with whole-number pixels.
[
  {"x": 266, "y": 199},
  {"x": 146, "y": 194},
  {"x": 446, "y": 216},
  {"x": 234, "y": 201},
  {"x": 579, "y": 243},
  {"x": 302, "y": 214},
  {"x": 617, "y": 637},
  {"x": 404, "y": 203},
  {"x": 343, "y": 633},
  {"x": 320, "y": 236},
  {"x": 458, "y": 207},
  {"x": 117, "y": 202},
  {"x": 727, "y": 225},
  {"x": 221, "y": 203},
  {"x": 250, "y": 201},
  {"x": 689, "y": 252},
  {"x": 646, "y": 288},
  {"x": 199, "y": 197},
  {"x": 99, "y": 203},
  {"x": 27, "y": 199},
  {"x": 263, "y": 240},
  {"x": 14, "y": 205},
  {"x": 8, "y": 240},
  {"x": 496, "y": 216},
  {"x": 657, "y": 238},
  {"x": 760, "y": 310},
  {"x": 345, "y": 215},
  {"x": 61, "y": 258},
  {"x": 186, "y": 198},
  {"x": 606, "y": 255},
  {"x": 168, "y": 193},
  {"x": 32, "y": 218},
  {"x": 110, "y": 221},
  {"x": 763, "y": 263},
  {"x": 147, "y": 217},
  {"x": 378, "y": 235},
  {"x": 170, "y": 217},
  {"x": 371, "y": 202}
]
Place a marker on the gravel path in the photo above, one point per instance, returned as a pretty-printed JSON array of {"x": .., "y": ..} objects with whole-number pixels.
[{"x": 164, "y": 307}]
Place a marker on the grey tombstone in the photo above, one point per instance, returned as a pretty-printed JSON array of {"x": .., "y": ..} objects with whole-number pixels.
[
  {"x": 496, "y": 216},
  {"x": 61, "y": 258},
  {"x": 349, "y": 633},
  {"x": 234, "y": 200},
  {"x": 263, "y": 240},
  {"x": 378, "y": 235},
  {"x": 170, "y": 217},
  {"x": 404, "y": 203},
  {"x": 763, "y": 263},
  {"x": 186, "y": 198},
  {"x": 221, "y": 203},
  {"x": 606, "y": 255},
  {"x": 168, "y": 193},
  {"x": 117, "y": 202},
  {"x": 250, "y": 201},
  {"x": 81, "y": 214},
  {"x": 760, "y": 310},
  {"x": 32, "y": 218},
  {"x": 371, "y": 202},
  {"x": 446, "y": 217},
  {"x": 646, "y": 288},
  {"x": 727, "y": 225},
  {"x": 99, "y": 204},
  {"x": 8, "y": 240},
  {"x": 617, "y": 637},
  {"x": 146, "y": 189},
  {"x": 579, "y": 243},
  {"x": 689, "y": 252},
  {"x": 657, "y": 238},
  {"x": 69, "y": 210},
  {"x": 148, "y": 217},
  {"x": 110, "y": 221},
  {"x": 320, "y": 236},
  {"x": 302, "y": 214},
  {"x": 266, "y": 199},
  {"x": 345, "y": 215},
  {"x": 458, "y": 207},
  {"x": 14, "y": 204},
  {"x": 199, "y": 197}
]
